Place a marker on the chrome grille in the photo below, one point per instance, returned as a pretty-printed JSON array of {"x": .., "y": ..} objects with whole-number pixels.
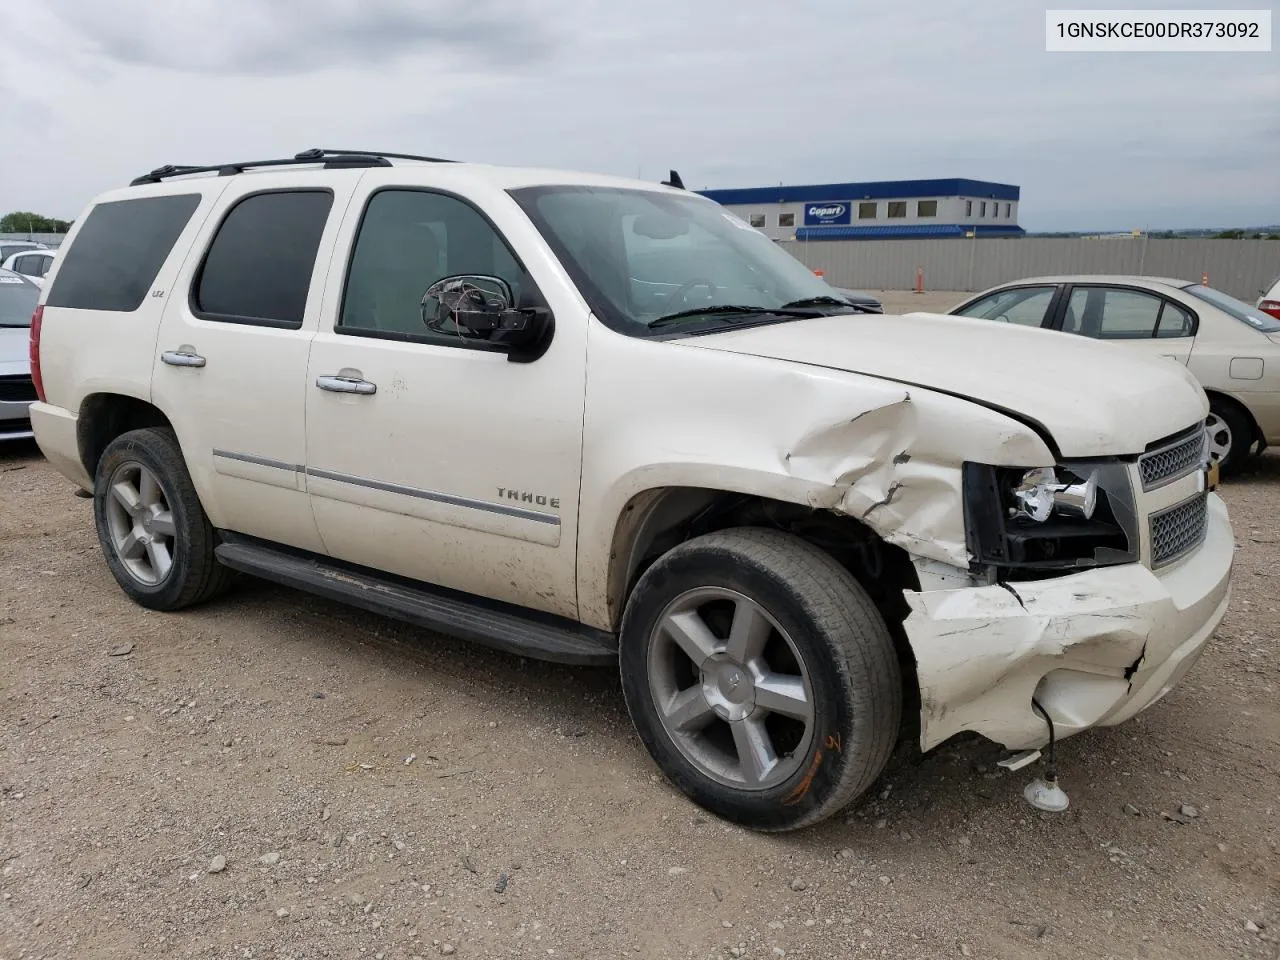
[
  {"x": 1173, "y": 460},
  {"x": 1177, "y": 530}
]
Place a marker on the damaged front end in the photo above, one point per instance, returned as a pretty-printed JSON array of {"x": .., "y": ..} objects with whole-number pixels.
[
  {"x": 1082, "y": 590},
  {"x": 1085, "y": 600}
]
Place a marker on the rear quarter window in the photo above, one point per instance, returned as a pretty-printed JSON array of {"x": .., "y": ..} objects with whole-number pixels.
[{"x": 118, "y": 252}]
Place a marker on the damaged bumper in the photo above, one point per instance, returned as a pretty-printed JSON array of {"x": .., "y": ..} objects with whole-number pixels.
[{"x": 1094, "y": 648}]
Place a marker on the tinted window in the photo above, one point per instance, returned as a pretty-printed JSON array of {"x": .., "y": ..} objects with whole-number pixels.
[
  {"x": 17, "y": 301},
  {"x": 28, "y": 265},
  {"x": 8, "y": 250},
  {"x": 1111, "y": 314},
  {"x": 119, "y": 250},
  {"x": 866, "y": 211},
  {"x": 786, "y": 219},
  {"x": 408, "y": 240},
  {"x": 1024, "y": 306},
  {"x": 897, "y": 208},
  {"x": 259, "y": 266},
  {"x": 926, "y": 208}
]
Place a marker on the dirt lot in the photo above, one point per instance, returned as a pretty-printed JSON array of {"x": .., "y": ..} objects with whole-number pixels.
[
  {"x": 369, "y": 790},
  {"x": 905, "y": 301}
]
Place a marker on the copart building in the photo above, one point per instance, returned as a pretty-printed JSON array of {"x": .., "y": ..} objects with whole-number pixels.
[{"x": 878, "y": 210}]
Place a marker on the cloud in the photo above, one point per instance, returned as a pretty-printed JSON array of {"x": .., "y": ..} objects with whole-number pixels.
[
  {"x": 285, "y": 37},
  {"x": 730, "y": 94}
]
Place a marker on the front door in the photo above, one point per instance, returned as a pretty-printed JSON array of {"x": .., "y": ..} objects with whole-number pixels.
[
  {"x": 231, "y": 362},
  {"x": 429, "y": 454}
]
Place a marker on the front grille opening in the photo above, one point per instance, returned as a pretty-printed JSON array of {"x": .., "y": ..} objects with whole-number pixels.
[
  {"x": 1177, "y": 530},
  {"x": 17, "y": 389},
  {"x": 1173, "y": 460}
]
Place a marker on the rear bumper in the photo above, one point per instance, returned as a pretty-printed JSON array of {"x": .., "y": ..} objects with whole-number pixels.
[
  {"x": 1094, "y": 648},
  {"x": 55, "y": 433}
]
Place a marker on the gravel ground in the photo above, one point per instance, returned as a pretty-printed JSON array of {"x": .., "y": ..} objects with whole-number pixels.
[{"x": 276, "y": 776}]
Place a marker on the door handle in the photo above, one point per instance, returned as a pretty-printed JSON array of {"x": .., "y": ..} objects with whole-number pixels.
[
  {"x": 346, "y": 385},
  {"x": 182, "y": 358}
]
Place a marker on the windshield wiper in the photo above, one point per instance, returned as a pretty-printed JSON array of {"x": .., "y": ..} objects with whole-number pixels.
[
  {"x": 823, "y": 300},
  {"x": 729, "y": 308}
]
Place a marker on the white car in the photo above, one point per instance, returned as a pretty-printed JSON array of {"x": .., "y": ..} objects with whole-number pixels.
[
  {"x": 18, "y": 296},
  {"x": 1232, "y": 349},
  {"x": 1269, "y": 302},
  {"x": 34, "y": 264},
  {"x": 597, "y": 420}
]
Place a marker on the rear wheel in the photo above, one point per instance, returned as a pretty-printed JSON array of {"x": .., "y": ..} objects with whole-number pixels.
[
  {"x": 760, "y": 677},
  {"x": 1230, "y": 435},
  {"x": 155, "y": 535}
]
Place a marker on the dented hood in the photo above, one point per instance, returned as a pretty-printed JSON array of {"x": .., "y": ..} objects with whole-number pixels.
[{"x": 1094, "y": 399}]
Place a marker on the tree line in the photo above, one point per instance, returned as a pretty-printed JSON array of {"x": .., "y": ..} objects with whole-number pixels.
[{"x": 23, "y": 221}]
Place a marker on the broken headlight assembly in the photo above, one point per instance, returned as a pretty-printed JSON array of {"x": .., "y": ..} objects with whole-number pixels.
[{"x": 1026, "y": 523}]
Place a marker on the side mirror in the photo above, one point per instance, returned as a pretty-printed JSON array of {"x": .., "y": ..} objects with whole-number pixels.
[{"x": 483, "y": 307}]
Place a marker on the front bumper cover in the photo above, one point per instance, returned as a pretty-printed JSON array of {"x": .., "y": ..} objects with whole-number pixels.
[{"x": 1094, "y": 648}]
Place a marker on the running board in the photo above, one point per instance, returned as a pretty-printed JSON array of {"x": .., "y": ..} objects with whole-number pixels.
[{"x": 502, "y": 626}]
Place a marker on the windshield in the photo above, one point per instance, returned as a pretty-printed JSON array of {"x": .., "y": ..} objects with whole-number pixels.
[
  {"x": 639, "y": 256},
  {"x": 1236, "y": 308},
  {"x": 17, "y": 301}
]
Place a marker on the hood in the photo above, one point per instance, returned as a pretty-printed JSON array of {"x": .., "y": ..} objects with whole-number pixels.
[
  {"x": 14, "y": 351},
  {"x": 1093, "y": 398}
]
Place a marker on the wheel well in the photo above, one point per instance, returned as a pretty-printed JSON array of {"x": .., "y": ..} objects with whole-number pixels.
[
  {"x": 1230, "y": 401},
  {"x": 104, "y": 416},
  {"x": 657, "y": 520}
]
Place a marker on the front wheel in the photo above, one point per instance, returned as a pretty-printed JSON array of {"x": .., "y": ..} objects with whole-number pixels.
[{"x": 761, "y": 677}]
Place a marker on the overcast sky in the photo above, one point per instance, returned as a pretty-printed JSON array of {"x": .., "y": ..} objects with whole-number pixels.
[{"x": 731, "y": 93}]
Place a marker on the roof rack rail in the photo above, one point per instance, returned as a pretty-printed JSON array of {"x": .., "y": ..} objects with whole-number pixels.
[
  {"x": 331, "y": 159},
  {"x": 381, "y": 153}
]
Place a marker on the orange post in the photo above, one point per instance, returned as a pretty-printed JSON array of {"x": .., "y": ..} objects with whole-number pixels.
[
  {"x": 919, "y": 279},
  {"x": 1204, "y": 279},
  {"x": 818, "y": 273}
]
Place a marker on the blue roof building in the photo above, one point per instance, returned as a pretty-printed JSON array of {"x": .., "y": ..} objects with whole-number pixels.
[{"x": 878, "y": 209}]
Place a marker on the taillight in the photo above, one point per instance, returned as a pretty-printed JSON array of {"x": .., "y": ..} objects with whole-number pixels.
[
  {"x": 1270, "y": 306},
  {"x": 34, "y": 351}
]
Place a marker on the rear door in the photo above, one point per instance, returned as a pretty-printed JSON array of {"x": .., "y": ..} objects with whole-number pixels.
[
  {"x": 1133, "y": 316},
  {"x": 231, "y": 359}
]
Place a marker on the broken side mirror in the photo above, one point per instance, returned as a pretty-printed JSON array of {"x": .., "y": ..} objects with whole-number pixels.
[{"x": 483, "y": 307}]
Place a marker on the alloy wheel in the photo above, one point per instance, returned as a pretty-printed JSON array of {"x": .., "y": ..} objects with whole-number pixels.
[
  {"x": 140, "y": 522},
  {"x": 731, "y": 688}
]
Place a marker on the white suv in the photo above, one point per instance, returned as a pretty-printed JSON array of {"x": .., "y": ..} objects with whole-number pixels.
[{"x": 593, "y": 420}]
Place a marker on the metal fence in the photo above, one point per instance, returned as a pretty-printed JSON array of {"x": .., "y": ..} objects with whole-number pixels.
[
  {"x": 1241, "y": 268},
  {"x": 48, "y": 239}
]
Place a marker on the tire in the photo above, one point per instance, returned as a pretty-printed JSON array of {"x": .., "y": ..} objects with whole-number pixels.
[
  {"x": 813, "y": 624},
  {"x": 1231, "y": 435},
  {"x": 166, "y": 514}
]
